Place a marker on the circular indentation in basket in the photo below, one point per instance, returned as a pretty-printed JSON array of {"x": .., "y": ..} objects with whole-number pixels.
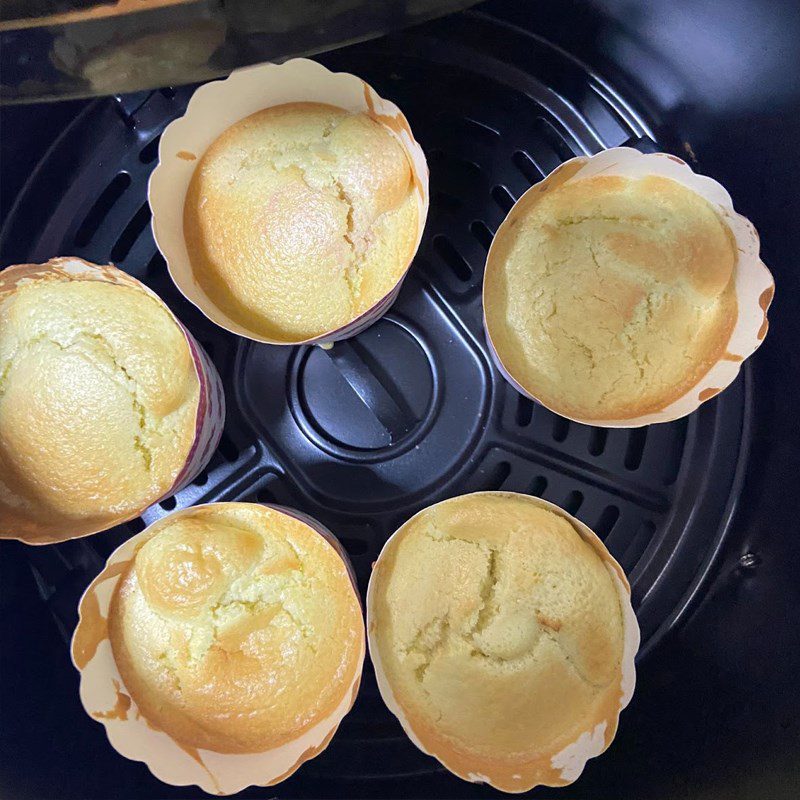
[{"x": 368, "y": 393}]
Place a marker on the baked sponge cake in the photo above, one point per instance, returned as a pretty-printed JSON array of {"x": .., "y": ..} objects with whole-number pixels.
[
  {"x": 236, "y": 628},
  {"x": 609, "y": 297},
  {"x": 497, "y": 631},
  {"x": 98, "y": 403},
  {"x": 300, "y": 218}
]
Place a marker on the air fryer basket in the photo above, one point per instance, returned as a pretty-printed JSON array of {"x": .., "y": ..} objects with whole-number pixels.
[{"x": 411, "y": 411}]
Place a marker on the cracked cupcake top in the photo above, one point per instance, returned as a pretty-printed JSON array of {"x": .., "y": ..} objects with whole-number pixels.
[
  {"x": 610, "y": 297},
  {"x": 300, "y": 218},
  {"x": 499, "y": 632},
  {"x": 98, "y": 403},
  {"x": 236, "y": 628}
]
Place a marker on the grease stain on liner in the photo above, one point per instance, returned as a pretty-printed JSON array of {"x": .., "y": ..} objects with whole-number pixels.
[
  {"x": 707, "y": 394},
  {"x": 764, "y": 301},
  {"x": 121, "y": 707}
]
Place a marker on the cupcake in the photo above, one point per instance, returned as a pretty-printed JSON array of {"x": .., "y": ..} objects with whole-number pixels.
[
  {"x": 503, "y": 638},
  {"x": 104, "y": 400},
  {"x": 300, "y": 218},
  {"x": 610, "y": 293},
  {"x": 234, "y": 634},
  {"x": 289, "y": 202}
]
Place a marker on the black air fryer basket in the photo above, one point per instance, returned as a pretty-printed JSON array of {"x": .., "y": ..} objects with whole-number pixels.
[{"x": 412, "y": 411}]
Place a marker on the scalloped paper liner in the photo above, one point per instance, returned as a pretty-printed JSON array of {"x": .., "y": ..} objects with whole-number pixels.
[
  {"x": 565, "y": 766},
  {"x": 754, "y": 284},
  {"x": 210, "y": 417},
  {"x": 216, "y": 106},
  {"x": 106, "y": 700}
]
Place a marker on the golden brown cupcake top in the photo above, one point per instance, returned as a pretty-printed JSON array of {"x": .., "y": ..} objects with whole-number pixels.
[
  {"x": 98, "y": 403},
  {"x": 609, "y": 297},
  {"x": 500, "y": 634},
  {"x": 236, "y": 628},
  {"x": 300, "y": 218}
]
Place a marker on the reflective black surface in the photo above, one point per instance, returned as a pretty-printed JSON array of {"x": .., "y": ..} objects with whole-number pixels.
[{"x": 108, "y": 48}]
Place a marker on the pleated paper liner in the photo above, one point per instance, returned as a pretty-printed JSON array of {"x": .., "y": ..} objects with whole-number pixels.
[
  {"x": 754, "y": 284},
  {"x": 106, "y": 699},
  {"x": 210, "y": 417},
  {"x": 548, "y": 769},
  {"x": 216, "y": 106}
]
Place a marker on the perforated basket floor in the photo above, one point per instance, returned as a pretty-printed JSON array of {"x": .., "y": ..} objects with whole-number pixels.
[{"x": 411, "y": 411}]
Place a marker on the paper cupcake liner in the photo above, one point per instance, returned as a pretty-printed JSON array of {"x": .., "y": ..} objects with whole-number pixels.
[
  {"x": 216, "y": 106},
  {"x": 754, "y": 284},
  {"x": 210, "y": 416},
  {"x": 106, "y": 699},
  {"x": 211, "y": 403},
  {"x": 566, "y": 765}
]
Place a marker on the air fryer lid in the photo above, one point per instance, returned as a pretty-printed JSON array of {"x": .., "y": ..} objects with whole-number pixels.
[{"x": 72, "y": 48}]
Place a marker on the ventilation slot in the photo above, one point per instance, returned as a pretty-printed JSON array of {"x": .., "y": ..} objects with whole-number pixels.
[
  {"x": 481, "y": 231},
  {"x": 524, "y": 411},
  {"x": 597, "y": 441},
  {"x": 265, "y": 496},
  {"x": 452, "y": 258},
  {"x": 156, "y": 265},
  {"x": 131, "y": 234},
  {"x": 560, "y": 428},
  {"x": 468, "y": 169},
  {"x": 635, "y": 450},
  {"x": 447, "y": 202},
  {"x": 136, "y": 526},
  {"x": 149, "y": 152},
  {"x": 608, "y": 519},
  {"x": 524, "y": 163},
  {"x": 201, "y": 479},
  {"x": 538, "y": 486},
  {"x": 498, "y": 476},
  {"x": 573, "y": 502},
  {"x": 99, "y": 211},
  {"x": 228, "y": 448},
  {"x": 503, "y": 198}
]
